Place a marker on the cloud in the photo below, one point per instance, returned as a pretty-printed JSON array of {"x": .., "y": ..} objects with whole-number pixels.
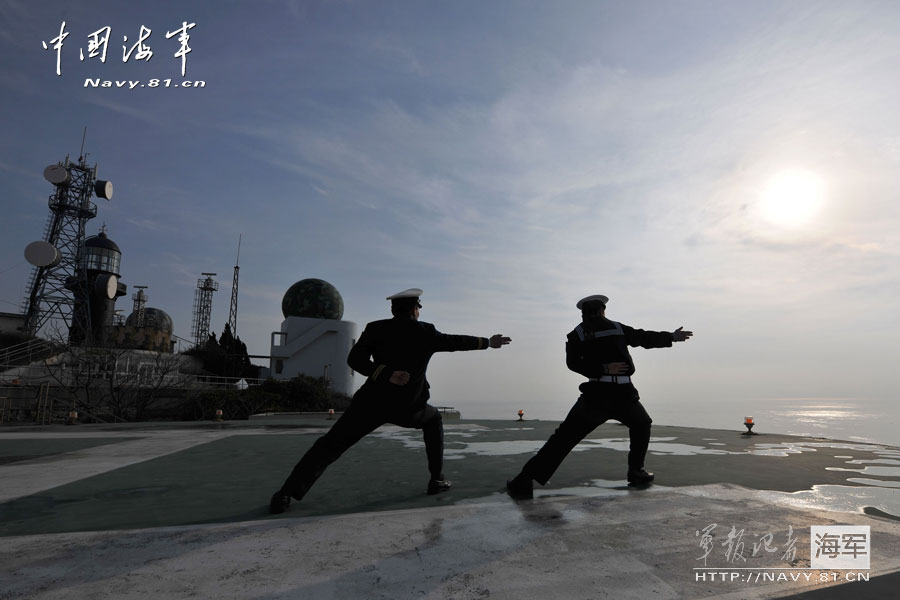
[
  {"x": 148, "y": 224},
  {"x": 159, "y": 119},
  {"x": 14, "y": 12},
  {"x": 396, "y": 51},
  {"x": 182, "y": 274},
  {"x": 16, "y": 170}
]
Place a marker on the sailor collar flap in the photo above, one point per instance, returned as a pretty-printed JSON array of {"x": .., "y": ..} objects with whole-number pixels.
[{"x": 584, "y": 334}]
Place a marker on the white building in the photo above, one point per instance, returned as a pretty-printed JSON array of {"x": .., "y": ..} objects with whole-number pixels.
[
  {"x": 314, "y": 347},
  {"x": 313, "y": 339}
]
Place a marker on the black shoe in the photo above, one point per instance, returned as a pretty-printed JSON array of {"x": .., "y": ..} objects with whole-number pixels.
[
  {"x": 639, "y": 477},
  {"x": 436, "y": 486},
  {"x": 520, "y": 489},
  {"x": 279, "y": 502}
]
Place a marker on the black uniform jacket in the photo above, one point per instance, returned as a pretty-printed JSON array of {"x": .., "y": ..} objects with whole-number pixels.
[
  {"x": 402, "y": 344},
  {"x": 588, "y": 349}
]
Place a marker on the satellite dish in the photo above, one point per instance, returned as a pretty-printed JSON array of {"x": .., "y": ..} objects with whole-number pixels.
[
  {"x": 112, "y": 286},
  {"x": 103, "y": 189},
  {"x": 56, "y": 174},
  {"x": 42, "y": 254},
  {"x": 107, "y": 285}
]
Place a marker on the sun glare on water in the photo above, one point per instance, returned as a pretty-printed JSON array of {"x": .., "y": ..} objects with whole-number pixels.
[{"x": 792, "y": 198}]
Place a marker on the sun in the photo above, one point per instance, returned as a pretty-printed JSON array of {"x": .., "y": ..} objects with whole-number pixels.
[{"x": 792, "y": 198}]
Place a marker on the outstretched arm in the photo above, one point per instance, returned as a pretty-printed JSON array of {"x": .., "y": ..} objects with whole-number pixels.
[
  {"x": 654, "y": 339},
  {"x": 445, "y": 342}
]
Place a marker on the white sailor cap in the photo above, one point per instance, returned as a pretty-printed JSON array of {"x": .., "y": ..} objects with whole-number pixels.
[
  {"x": 595, "y": 298},
  {"x": 410, "y": 293}
]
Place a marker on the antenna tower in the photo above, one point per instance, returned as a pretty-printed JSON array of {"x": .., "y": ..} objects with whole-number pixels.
[
  {"x": 232, "y": 313},
  {"x": 206, "y": 285},
  {"x": 140, "y": 304},
  {"x": 56, "y": 280}
]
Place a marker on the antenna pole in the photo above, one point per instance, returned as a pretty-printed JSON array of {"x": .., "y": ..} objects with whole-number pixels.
[
  {"x": 84, "y": 135},
  {"x": 232, "y": 312}
]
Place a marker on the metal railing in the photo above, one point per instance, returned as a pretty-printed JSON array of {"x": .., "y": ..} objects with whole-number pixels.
[
  {"x": 26, "y": 351},
  {"x": 78, "y": 375},
  {"x": 215, "y": 381},
  {"x": 43, "y": 413},
  {"x": 42, "y": 408}
]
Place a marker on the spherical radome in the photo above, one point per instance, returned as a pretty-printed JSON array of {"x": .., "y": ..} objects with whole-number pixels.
[
  {"x": 312, "y": 298},
  {"x": 154, "y": 318}
]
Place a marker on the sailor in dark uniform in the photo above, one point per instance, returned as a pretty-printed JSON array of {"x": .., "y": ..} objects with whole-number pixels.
[
  {"x": 394, "y": 355},
  {"x": 598, "y": 349}
]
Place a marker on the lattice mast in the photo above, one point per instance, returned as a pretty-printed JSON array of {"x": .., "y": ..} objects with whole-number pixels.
[
  {"x": 206, "y": 285},
  {"x": 54, "y": 284},
  {"x": 140, "y": 305},
  {"x": 232, "y": 312}
]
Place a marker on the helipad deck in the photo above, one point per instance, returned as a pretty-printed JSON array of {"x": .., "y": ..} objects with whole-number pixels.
[{"x": 180, "y": 510}]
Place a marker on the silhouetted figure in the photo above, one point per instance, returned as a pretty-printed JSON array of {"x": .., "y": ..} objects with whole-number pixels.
[
  {"x": 598, "y": 349},
  {"x": 393, "y": 354}
]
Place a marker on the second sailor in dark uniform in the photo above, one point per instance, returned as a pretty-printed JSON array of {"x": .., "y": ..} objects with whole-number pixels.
[
  {"x": 598, "y": 349},
  {"x": 393, "y": 354}
]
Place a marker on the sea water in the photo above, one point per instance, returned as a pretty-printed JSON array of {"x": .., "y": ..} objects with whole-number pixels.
[{"x": 850, "y": 419}]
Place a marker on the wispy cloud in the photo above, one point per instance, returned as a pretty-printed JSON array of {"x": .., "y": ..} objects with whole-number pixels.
[
  {"x": 148, "y": 224},
  {"x": 146, "y": 115}
]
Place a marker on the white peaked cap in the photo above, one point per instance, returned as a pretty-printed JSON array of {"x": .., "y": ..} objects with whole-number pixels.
[
  {"x": 410, "y": 293},
  {"x": 595, "y": 298}
]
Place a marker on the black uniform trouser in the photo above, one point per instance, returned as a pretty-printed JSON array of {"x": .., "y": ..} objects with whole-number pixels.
[
  {"x": 362, "y": 418},
  {"x": 591, "y": 411}
]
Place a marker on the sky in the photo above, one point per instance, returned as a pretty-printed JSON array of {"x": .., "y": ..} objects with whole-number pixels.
[{"x": 729, "y": 167}]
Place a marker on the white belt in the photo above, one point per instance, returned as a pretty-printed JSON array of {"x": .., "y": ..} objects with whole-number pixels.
[{"x": 612, "y": 379}]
